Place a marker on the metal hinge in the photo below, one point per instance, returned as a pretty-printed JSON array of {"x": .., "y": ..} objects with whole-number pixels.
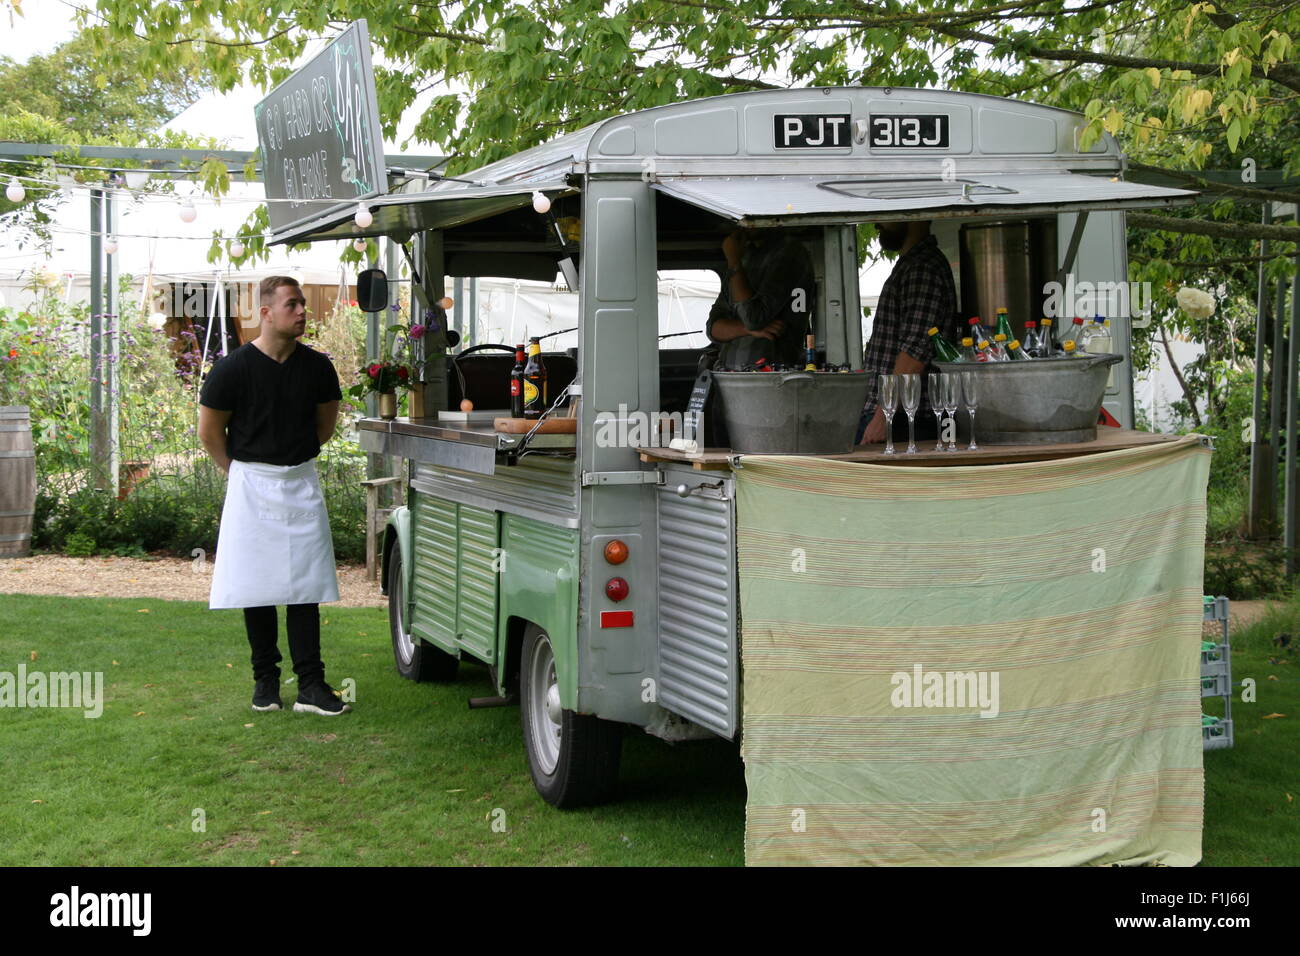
[{"x": 622, "y": 478}]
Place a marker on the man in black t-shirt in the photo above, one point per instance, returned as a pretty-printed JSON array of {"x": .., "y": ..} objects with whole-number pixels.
[{"x": 265, "y": 410}]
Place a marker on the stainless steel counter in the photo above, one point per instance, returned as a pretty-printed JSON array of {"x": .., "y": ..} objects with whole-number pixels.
[{"x": 474, "y": 448}]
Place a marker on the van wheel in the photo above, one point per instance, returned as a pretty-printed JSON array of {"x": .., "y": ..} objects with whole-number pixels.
[
  {"x": 573, "y": 757},
  {"x": 416, "y": 658}
]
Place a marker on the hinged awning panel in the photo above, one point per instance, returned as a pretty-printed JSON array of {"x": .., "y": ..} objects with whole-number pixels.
[
  {"x": 845, "y": 198},
  {"x": 404, "y": 214}
]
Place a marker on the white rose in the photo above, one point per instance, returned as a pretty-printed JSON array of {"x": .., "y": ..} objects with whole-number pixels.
[{"x": 1197, "y": 304}]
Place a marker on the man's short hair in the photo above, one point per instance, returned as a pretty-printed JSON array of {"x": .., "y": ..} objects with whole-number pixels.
[{"x": 266, "y": 289}]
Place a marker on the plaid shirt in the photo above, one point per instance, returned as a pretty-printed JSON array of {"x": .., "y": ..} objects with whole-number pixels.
[{"x": 918, "y": 295}]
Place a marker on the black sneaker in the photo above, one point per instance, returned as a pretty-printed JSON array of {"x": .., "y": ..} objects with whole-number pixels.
[
  {"x": 266, "y": 695},
  {"x": 319, "y": 699}
]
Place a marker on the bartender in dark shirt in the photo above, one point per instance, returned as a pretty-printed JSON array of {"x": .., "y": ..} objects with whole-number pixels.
[
  {"x": 265, "y": 410},
  {"x": 762, "y": 310},
  {"x": 918, "y": 295}
]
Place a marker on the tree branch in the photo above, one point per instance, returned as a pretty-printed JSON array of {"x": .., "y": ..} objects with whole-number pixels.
[
  {"x": 1178, "y": 374},
  {"x": 1246, "y": 192},
  {"x": 1220, "y": 230}
]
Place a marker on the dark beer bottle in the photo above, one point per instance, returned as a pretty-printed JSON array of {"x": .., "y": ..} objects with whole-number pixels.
[
  {"x": 517, "y": 383},
  {"x": 534, "y": 381}
]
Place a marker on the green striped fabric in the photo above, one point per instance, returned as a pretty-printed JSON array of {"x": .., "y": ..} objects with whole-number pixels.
[{"x": 974, "y": 665}]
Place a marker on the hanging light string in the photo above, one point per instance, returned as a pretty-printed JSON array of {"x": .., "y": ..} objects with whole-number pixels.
[{"x": 148, "y": 195}]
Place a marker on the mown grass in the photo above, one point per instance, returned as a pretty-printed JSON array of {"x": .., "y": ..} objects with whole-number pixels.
[
  {"x": 413, "y": 776},
  {"x": 1252, "y": 791}
]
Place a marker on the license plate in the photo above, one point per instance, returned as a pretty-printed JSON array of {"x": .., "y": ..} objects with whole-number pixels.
[
  {"x": 903, "y": 131},
  {"x": 811, "y": 130}
]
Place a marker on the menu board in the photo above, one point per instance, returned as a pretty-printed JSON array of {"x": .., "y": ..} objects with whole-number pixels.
[{"x": 319, "y": 134}]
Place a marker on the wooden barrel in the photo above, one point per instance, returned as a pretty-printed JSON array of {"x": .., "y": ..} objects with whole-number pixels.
[{"x": 17, "y": 481}]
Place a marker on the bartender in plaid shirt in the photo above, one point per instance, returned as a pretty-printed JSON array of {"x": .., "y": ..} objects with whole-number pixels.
[{"x": 918, "y": 295}]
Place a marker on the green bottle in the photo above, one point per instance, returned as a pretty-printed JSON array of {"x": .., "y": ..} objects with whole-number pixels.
[
  {"x": 943, "y": 349},
  {"x": 1004, "y": 325}
]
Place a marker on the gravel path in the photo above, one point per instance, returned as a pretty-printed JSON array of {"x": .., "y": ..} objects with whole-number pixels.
[
  {"x": 174, "y": 579},
  {"x": 178, "y": 579}
]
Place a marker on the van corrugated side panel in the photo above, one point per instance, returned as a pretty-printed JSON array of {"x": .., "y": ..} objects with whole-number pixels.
[
  {"x": 697, "y": 609},
  {"x": 477, "y": 581},
  {"x": 433, "y": 577}
]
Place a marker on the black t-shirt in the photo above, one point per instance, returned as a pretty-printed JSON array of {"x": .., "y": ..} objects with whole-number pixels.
[{"x": 273, "y": 403}]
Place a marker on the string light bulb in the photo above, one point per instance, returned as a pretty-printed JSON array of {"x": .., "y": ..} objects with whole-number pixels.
[
  {"x": 110, "y": 245},
  {"x": 157, "y": 320},
  {"x": 540, "y": 202},
  {"x": 14, "y": 192},
  {"x": 359, "y": 245},
  {"x": 188, "y": 213},
  {"x": 236, "y": 249},
  {"x": 445, "y": 303},
  {"x": 363, "y": 218}
]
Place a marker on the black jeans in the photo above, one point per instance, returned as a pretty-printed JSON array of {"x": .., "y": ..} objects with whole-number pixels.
[{"x": 303, "y": 624}]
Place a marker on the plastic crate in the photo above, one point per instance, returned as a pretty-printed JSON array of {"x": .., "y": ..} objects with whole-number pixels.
[
  {"x": 1216, "y": 733},
  {"x": 1212, "y": 653},
  {"x": 1215, "y": 608},
  {"x": 1215, "y": 685}
]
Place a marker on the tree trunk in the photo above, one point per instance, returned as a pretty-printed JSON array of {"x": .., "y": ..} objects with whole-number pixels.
[{"x": 1178, "y": 374}]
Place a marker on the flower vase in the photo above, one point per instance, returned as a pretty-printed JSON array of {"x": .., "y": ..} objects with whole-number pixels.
[{"x": 388, "y": 405}]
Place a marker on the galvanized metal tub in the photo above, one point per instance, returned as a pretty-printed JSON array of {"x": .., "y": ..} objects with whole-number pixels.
[
  {"x": 810, "y": 413},
  {"x": 1041, "y": 401}
]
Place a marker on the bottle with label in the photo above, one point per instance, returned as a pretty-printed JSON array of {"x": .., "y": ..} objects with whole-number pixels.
[
  {"x": 998, "y": 348},
  {"x": 1016, "y": 353},
  {"x": 534, "y": 381},
  {"x": 810, "y": 353},
  {"x": 943, "y": 349},
  {"x": 977, "y": 329},
  {"x": 983, "y": 353},
  {"x": 1075, "y": 333},
  {"x": 967, "y": 350},
  {"x": 517, "y": 383},
  {"x": 1032, "y": 339},
  {"x": 1098, "y": 328},
  {"x": 1045, "y": 338}
]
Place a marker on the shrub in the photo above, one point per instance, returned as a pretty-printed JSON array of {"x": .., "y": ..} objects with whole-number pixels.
[{"x": 80, "y": 545}]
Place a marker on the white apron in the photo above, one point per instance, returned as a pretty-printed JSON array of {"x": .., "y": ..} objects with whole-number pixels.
[{"x": 274, "y": 545}]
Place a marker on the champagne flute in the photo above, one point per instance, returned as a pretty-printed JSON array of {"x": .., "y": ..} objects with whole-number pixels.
[
  {"x": 951, "y": 399},
  {"x": 911, "y": 398},
  {"x": 889, "y": 405},
  {"x": 936, "y": 406},
  {"x": 970, "y": 390}
]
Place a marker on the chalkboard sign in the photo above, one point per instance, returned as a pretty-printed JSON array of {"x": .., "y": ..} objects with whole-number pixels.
[
  {"x": 694, "y": 421},
  {"x": 319, "y": 134}
]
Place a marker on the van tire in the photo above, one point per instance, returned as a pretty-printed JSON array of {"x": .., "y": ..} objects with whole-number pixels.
[
  {"x": 573, "y": 760},
  {"x": 416, "y": 658}
]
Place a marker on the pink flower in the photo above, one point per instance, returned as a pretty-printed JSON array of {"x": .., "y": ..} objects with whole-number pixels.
[
  {"x": 417, "y": 331},
  {"x": 375, "y": 369}
]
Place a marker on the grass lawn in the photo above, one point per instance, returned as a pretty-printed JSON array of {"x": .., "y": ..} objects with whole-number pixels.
[{"x": 413, "y": 776}]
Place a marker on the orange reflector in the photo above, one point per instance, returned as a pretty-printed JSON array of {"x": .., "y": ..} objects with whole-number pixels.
[
  {"x": 615, "y": 618},
  {"x": 615, "y": 552}
]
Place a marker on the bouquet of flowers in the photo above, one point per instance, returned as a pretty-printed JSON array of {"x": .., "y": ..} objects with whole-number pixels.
[{"x": 393, "y": 371}]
